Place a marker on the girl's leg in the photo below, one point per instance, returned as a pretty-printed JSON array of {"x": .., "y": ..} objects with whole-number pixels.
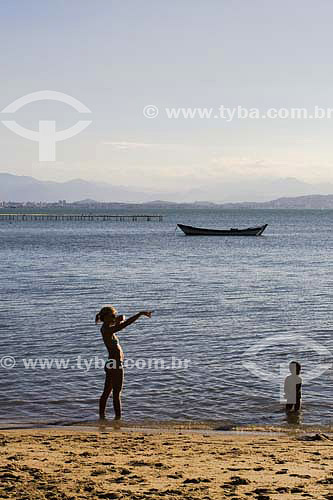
[
  {"x": 106, "y": 393},
  {"x": 118, "y": 379}
]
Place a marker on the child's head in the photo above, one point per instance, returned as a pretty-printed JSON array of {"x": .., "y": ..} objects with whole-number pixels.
[
  {"x": 107, "y": 314},
  {"x": 295, "y": 367}
]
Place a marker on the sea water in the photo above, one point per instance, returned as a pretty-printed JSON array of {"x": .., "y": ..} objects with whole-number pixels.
[{"x": 230, "y": 313}]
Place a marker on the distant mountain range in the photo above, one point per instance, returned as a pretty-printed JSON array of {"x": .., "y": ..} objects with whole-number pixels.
[
  {"x": 312, "y": 201},
  {"x": 23, "y": 188},
  {"x": 285, "y": 193}
]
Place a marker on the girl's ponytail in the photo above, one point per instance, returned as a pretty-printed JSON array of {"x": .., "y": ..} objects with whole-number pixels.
[{"x": 106, "y": 310}]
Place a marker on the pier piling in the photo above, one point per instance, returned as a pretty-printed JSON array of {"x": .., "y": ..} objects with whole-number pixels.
[{"x": 78, "y": 217}]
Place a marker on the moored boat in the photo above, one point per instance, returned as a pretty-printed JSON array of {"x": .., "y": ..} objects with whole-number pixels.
[{"x": 199, "y": 231}]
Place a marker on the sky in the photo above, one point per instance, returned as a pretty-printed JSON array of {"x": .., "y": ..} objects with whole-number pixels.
[{"x": 119, "y": 56}]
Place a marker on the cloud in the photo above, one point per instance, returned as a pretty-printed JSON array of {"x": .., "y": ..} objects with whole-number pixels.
[
  {"x": 310, "y": 170},
  {"x": 125, "y": 146},
  {"x": 128, "y": 146}
]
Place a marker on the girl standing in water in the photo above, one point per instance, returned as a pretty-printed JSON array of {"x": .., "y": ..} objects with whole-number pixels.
[{"x": 114, "y": 370}]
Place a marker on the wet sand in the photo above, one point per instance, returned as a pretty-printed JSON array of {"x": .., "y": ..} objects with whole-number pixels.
[{"x": 70, "y": 464}]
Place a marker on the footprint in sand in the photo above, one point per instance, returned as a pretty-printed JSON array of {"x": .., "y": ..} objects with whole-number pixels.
[
  {"x": 176, "y": 475},
  {"x": 98, "y": 472},
  {"x": 282, "y": 489},
  {"x": 326, "y": 480},
  {"x": 196, "y": 480},
  {"x": 138, "y": 463},
  {"x": 262, "y": 491},
  {"x": 282, "y": 471},
  {"x": 236, "y": 481},
  {"x": 109, "y": 496}
]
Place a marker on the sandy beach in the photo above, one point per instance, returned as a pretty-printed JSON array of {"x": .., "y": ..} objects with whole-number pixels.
[{"x": 67, "y": 464}]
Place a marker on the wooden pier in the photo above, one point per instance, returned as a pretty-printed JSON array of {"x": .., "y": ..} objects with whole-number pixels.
[{"x": 79, "y": 217}]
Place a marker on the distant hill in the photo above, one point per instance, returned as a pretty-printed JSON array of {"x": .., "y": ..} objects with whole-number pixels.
[
  {"x": 23, "y": 188},
  {"x": 256, "y": 189},
  {"x": 314, "y": 201},
  {"x": 285, "y": 193}
]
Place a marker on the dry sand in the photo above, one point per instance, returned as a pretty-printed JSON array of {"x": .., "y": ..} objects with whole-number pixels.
[{"x": 63, "y": 464}]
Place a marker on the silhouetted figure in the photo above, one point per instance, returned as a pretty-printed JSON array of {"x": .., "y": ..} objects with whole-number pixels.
[
  {"x": 293, "y": 388},
  {"x": 114, "y": 370}
]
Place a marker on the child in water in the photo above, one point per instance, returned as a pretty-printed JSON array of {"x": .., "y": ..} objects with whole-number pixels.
[
  {"x": 114, "y": 371},
  {"x": 292, "y": 387}
]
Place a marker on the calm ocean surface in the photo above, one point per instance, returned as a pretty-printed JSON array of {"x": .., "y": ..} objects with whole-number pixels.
[{"x": 213, "y": 297}]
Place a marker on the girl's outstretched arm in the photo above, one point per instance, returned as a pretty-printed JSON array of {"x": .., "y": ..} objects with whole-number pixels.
[{"x": 131, "y": 320}]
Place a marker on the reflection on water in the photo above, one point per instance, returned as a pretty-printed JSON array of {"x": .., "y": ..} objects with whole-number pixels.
[{"x": 294, "y": 418}]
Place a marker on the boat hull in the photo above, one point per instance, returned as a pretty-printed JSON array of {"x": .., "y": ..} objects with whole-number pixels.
[{"x": 199, "y": 231}]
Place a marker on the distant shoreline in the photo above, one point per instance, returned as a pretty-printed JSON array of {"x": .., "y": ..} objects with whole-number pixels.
[{"x": 309, "y": 202}]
